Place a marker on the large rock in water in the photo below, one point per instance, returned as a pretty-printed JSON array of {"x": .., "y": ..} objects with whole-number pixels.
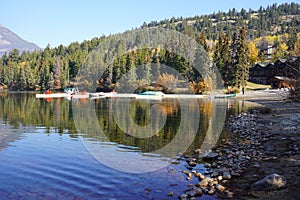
[{"x": 270, "y": 182}]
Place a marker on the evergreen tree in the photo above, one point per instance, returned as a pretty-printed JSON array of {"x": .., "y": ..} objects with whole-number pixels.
[
  {"x": 227, "y": 69},
  {"x": 201, "y": 39},
  {"x": 222, "y": 59},
  {"x": 292, "y": 39},
  {"x": 242, "y": 60},
  {"x": 57, "y": 75},
  {"x": 156, "y": 65}
]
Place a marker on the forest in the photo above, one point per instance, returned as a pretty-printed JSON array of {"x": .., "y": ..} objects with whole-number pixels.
[{"x": 234, "y": 41}]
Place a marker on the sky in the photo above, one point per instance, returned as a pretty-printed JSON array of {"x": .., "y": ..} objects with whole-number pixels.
[{"x": 58, "y": 22}]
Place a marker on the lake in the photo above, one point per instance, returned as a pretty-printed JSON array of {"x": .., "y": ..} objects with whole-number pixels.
[{"x": 110, "y": 148}]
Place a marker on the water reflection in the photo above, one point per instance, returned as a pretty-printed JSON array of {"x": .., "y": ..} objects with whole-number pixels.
[
  {"x": 47, "y": 159},
  {"x": 143, "y": 124},
  {"x": 118, "y": 119},
  {"x": 24, "y": 109}
]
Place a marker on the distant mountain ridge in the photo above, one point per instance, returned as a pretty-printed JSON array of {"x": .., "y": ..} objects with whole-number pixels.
[{"x": 9, "y": 41}]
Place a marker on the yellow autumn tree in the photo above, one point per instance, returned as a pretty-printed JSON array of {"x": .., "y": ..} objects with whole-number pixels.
[
  {"x": 296, "y": 51},
  {"x": 167, "y": 80},
  {"x": 201, "y": 87},
  {"x": 253, "y": 52},
  {"x": 280, "y": 52}
]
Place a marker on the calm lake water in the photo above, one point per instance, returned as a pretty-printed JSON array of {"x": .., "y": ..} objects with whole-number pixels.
[{"x": 86, "y": 149}]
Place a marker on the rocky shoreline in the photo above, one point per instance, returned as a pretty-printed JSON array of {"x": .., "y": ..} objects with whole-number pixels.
[
  {"x": 277, "y": 127},
  {"x": 259, "y": 160}
]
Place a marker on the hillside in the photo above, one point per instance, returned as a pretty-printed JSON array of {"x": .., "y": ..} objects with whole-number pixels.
[
  {"x": 272, "y": 20},
  {"x": 10, "y": 41},
  {"x": 234, "y": 40}
]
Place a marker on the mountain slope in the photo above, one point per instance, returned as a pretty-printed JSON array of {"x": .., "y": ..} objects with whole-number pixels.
[
  {"x": 273, "y": 20},
  {"x": 10, "y": 40}
]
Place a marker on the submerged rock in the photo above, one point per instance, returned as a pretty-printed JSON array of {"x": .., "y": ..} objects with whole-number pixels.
[
  {"x": 198, "y": 192},
  {"x": 210, "y": 156},
  {"x": 183, "y": 196},
  {"x": 192, "y": 164},
  {"x": 270, "y": 182},
  {"x": 171, "y": 194}
]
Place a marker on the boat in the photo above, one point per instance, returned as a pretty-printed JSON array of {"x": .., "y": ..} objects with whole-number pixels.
[
  {"x": 68, "y": 93},
  {"x": 71, "y": 90},
  {"x": 224, "y": 96},
  {"x": 80, "y": 95},
  {"x": 97, "y": 94},
  {"x": 150, "y": 95},
  {"x": 52, "y": 95}
]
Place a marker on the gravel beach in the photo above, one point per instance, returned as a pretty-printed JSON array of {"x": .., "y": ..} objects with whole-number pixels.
[
  {"x": 261, "y": 157},
  {"x": 277, "y": 134}
]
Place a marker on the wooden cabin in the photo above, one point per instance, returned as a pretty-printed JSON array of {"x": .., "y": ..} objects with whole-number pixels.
[{"x": 277, "y": 74}]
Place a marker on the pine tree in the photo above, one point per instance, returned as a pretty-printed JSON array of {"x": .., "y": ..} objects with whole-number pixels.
[
  {"x": 242, "y": 60},
  {"x": 222, "y": 59},
  {"x": 217, "y": 57},
  {"x": 147, "y": 76},
  {"x": 201, "y": 39},
  {"x": 227, "y": 69},
  {"x": 292, "y": 39},
  {"x": 131, "y": 75},
  {"x": 156, "y": 65},
  {"x": 57, "y": 74}
]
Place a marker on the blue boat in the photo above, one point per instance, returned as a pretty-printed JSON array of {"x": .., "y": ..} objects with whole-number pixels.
[
  {"x": 224, "y": 96},
  {"x": 150, "y": 95}
]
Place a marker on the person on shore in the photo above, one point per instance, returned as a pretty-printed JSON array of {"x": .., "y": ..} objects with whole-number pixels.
[{"x": 243, "y": 90}]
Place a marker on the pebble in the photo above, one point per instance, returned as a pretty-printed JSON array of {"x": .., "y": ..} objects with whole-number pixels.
[
  {"x": 192, "y": 164},
  {"x": 214, "y": 165},
  {"x": 201, "y": 176},
  {"x": 188, "y": 160},
  {"x": 214, "y": 174},
  {"x": 190, "y": 176},
  {"x": 198, "y": 192},
  {"x": 227, "y": 175},
  {"x": 183, "y": 196},
  {"x": 235, "y": 174},
  {"x": 185, "y": 172},
  {"x": 220, "y": 178},
  {"x": 203, "y": 183},
  {"x": 190, "y": 193},
  {"x": 207, "y": 165},
  {"x": 171, "y": 194},
  {"x": 228, "y": 193},
  {"x": 220, "y": 188},
  {"x": 198, "y": 151},
  {"x": 207, "y": 172},
  {"x": 211, "y": 191}
]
